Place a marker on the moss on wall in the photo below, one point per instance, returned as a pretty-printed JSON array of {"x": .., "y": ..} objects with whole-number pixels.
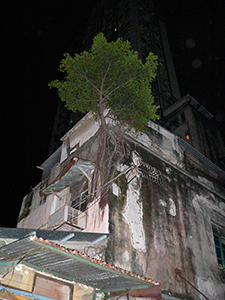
[{"x": 27, "y": 204}]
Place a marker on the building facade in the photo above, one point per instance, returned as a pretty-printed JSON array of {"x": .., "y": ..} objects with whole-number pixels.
[{"x": 165, "y": 209}]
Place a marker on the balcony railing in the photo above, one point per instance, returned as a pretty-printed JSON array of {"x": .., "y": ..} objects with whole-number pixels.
[{"x": 68, "y": 215}]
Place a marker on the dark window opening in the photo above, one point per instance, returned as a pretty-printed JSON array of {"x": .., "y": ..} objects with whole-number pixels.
[
  {"x": 79, "y": 195},
  {"x": 219, "y": 240},
  {"x": 220, "y": 249}
]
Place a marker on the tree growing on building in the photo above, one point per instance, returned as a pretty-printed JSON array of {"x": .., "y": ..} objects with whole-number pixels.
[{"x": 112, "y": 82}]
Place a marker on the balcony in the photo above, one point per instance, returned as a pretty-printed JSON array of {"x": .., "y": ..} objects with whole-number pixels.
[{"x": 67, "y": 218}]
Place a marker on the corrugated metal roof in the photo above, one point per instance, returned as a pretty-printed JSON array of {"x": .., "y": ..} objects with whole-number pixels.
[
  {"x": 52, "y": 159},
  {"x": 18, "y": 233},
  {"x": 73, "y": 172},
  {"x": 69, "y": 264},
  {"x": 50, "y": 162}
]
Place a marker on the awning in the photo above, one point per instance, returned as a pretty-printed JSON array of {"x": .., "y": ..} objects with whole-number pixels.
[
  {"x": 72, "y": 265},
  {"x": 76, "y": 170}
]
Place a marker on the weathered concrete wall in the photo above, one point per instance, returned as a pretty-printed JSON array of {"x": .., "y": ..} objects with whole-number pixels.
[
  {"x": 157, "y": 228},
  {"x": 38, "y": 217},
  {"x": 40, "y": 210},
  {"x": 79, "y": 134},
  {"x": 160, "y": 141},
  {"x": 97, "y": 218}
]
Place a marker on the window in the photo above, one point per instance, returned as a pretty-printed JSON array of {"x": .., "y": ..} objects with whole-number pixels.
[
  {"x": 219, "y": 239},
  {"x": 220, "y": 249},
  {"x": 79, "y": 195},
  {"x": 52, "y": 288}
]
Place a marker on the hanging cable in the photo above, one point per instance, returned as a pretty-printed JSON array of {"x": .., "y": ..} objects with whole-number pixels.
[{"x": 179, "y": 277}]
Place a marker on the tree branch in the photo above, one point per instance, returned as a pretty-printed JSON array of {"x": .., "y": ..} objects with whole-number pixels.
[
  {"x": 109, "y": 87},
  {"x": 119, "y": 86},
  {"x": 96, "y": 89},
  {"x": 103, "y": 79},
  {"x": 84, "y": 76},
  {"x": 124, "y": 108},
  {"x": 95, "y": 100}
]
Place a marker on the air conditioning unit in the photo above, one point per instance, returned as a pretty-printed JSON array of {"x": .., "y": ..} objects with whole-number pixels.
[{"x": 67, "y": 217}]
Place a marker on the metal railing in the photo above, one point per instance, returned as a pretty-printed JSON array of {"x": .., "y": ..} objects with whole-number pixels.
[
  {"x": 205, "y": 161},
  {"x": 68, "y": 214}
]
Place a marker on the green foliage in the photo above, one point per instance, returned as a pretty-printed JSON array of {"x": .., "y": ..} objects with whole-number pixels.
[
  {"x": 109, "y": 76},
  {"x": 106, "y": 296}
]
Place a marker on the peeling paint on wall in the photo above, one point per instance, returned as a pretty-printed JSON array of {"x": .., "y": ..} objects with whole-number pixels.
[
  {"x": 208, "y": 288},
  {"x": 97, "y": 218},
  {"x": 133, "y": 214},
  {"x": 162, "y": 203},
  {"x": 126, "y": 257},
  {"x": 172, "y": 207},
  {"x": 199, "y": 202},
  {"x": 222, "y": 206},
  {"x": 206, "y": 181},
  {"x": 115, "y": 189}
]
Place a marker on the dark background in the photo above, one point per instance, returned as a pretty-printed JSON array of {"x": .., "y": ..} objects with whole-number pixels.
[{"x": 35, "y": 36}]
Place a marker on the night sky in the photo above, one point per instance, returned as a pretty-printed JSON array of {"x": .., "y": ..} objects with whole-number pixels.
[{"x": 35, "y": 36}]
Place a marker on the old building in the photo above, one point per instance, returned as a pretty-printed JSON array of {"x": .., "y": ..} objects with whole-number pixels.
[
  {"x": 165, "y": 208},
  {"x": 188, "y": 119}
]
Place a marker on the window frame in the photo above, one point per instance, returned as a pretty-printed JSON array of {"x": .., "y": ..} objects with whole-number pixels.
[
  {"x": 219, "y": 248},
  {"x": 218, "y": 231},
  {"x": 60, "y": 282}
]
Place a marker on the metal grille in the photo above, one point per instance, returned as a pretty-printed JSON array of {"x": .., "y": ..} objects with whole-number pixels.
[
  {"x": 72, "y": 214},
  {"x": 57, "y": 218},
  {"x": 150, "y": 173},
  {"x": 68, "y": 214}
]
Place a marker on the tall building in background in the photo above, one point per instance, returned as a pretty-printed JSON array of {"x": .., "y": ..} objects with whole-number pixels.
[{"x": 135, "y": 20}]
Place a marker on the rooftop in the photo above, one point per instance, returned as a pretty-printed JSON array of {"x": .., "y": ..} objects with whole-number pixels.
[
  {"x": 58, "y": 236},
  {"x": 44, "y": 255}
]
